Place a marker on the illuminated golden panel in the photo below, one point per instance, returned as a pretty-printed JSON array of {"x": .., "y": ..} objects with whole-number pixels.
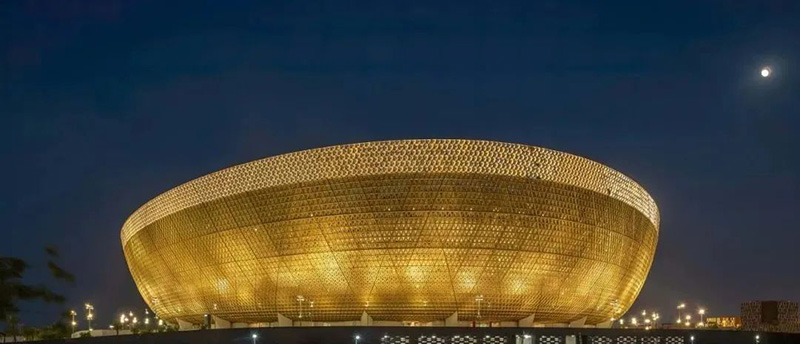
[
  {"x": 406, "y": 156},
  {"x": 402, "y": 230}
]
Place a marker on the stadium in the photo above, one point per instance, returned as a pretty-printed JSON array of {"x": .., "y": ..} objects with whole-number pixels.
[{"x": 429, "y": 232}]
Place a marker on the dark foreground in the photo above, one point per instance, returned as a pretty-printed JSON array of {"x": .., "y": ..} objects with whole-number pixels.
[{"x": 443, "y": 335}]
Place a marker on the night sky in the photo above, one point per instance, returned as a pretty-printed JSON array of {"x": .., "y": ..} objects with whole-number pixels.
[{"x": 105, "y": 105}]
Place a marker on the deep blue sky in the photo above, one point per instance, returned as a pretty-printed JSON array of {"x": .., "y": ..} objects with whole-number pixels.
[{"x": 106, "y": 104}]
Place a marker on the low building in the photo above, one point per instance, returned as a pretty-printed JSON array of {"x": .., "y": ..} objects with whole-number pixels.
[
  {"x": 100, "y": 333},
  {"x": 724, "y": 322},
  {"x": 772, "y": 316}
]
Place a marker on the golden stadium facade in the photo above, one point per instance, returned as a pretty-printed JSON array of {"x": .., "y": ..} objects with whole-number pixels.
[{"x": 438, "y": 231}]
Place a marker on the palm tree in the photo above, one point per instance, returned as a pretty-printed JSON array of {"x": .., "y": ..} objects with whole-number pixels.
[
  {"x": 12, "y": 326},
  {"x": 30, "y": 333},
  {"x": 13, "y": 289}
]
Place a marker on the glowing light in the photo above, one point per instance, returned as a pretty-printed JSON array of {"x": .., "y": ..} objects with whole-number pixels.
[{"x": 765, "y": 72}]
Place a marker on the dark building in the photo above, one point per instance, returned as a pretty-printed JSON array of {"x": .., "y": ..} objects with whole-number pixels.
[
  {"x": 441, "y": 335},
  {"x": 772, "y": 316}
]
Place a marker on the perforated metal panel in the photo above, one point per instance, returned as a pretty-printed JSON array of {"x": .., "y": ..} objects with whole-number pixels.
[
  {"x": 395, "y": 340},
  {"x": 463, "y": 340},
  {"x": 403, "y": 230},
  {"x": 431, "y": 340},
  {"x": 494, "y": 340},
  {"x": 550, "y": 340},
  {"x": 651, "y": 340},
  {"x": 600, "y": 340}
]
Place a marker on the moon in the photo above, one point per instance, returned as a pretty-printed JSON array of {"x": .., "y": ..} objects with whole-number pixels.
[{"x": 765, "y": 72}]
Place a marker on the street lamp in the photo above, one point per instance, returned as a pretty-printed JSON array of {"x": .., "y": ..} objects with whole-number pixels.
[
  {"x": 702, "y": 312},
  {"x": 357, "y": 337},
  {"x": 254, "y": 336},
  {"x": 680, "y": 307},
  {"x": 758, "y": 339},
  {"x": 300, "y": 300},
  {"x": 73, "y": 313},
  {"x": 691, "y": 338},
  {"x": 89, "y": 315}
]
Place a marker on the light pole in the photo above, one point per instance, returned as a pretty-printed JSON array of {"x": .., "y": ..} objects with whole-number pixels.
[
  {"x": 89, "y": 315},
  {"x": 254, "y": 336},
  {"x": 680, "y": 307},
  {"x": 691, "y": 338},
  {"x": 357, "y": 337},
  {"x": 758, "y": 339},
  {"x": 73, "y": 313},
  {"x": 702, "y": 313},
  {"x": 478, "y": 300},
  {"x": 300, "y": 300}
]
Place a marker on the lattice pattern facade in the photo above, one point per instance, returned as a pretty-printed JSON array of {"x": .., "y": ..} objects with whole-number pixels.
[
  {"x": 600, "y": 340},
  {"x": 402, "y": 230},
  {"x": 395, "y": 340},
  {"x": 551, "y": 340},
  {"x": 776, "y": 316}
]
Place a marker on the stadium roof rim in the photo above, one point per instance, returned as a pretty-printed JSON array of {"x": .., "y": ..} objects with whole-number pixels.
[{"x": 487, "y": 157}]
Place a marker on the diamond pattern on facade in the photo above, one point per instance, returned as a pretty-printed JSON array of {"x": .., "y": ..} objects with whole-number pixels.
[{"x": 402, "y": 230}]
